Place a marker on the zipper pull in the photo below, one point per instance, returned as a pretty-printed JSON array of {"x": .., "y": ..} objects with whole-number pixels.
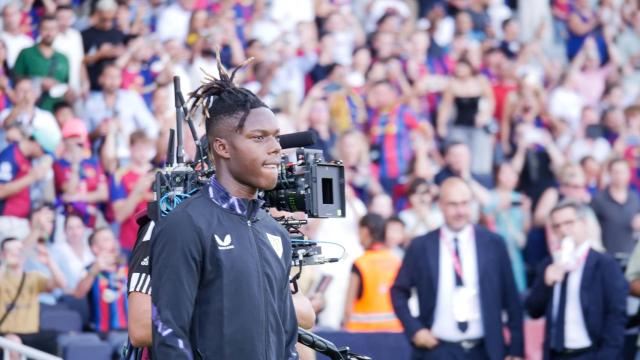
[{"x": 249, "y": 223}]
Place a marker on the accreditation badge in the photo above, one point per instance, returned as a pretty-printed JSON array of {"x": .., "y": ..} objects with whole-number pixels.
[
  {"x": 109, "y": 295},
  {"x": 465, "y": 304}
]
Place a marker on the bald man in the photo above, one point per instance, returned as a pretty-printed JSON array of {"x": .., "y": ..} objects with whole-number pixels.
[{"x": 464, "y": 283}]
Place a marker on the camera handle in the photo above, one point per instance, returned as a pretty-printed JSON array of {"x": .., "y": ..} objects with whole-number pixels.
[{"x": 326, "y": 347}]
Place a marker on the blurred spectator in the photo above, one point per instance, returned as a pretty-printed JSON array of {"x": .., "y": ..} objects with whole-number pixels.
[
  {"x": 423, "y": 214},
  {"x": 105, "y": 285},
  {"x": 508, "y": 214},
  {"x": 360, "y": 174},
  {"x": 589, "y": 139},
  {"x": 457, "y": 163},
  {"x": 590, "y": 73},
  {"x": 572, "y": 185},
  {"x": 368, "y": 306},
  {"x": 68, "y": 41},
  {"x": 173, "y": 22},
  {"x": 72, "y": 253},
  {"x": 17, "y": 174},
  {"x": 395, "y": 235},
  {"x": 535, "y": 159},
  {"x": 314, "y": 114},
  {"x": 445, "y": 266},
  {"x": 24, "y": 112},
  {"x": 510, "y": 44},
  {"x": 593, "y": 174},
  {"x": 390, "y": 129},
  {"x": 102, "y": 43},
  {"x": 618, "y": 210},
  {"x": 80, "y": 182},
  {"x": 47, "y": 67},
  {"x": 583, "y": 22},
  {"x": 565, "y": 102},
  {"x": 19, "y": 289},
  {"x": 131, "y": 188},
  {"x": 119, "y": 112},
  {"x": 469, "y": 96},
  {"x": 12, "y": 36},
  {"x": 577, "y": 275}
]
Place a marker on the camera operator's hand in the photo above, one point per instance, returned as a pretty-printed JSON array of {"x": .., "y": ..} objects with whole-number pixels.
[{"x": 424, "y": 339}]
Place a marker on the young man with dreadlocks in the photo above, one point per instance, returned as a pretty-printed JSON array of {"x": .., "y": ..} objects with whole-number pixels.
[{"x": 220, "y": 264}]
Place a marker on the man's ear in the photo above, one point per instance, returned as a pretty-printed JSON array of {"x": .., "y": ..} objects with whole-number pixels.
[{"x": 221, "y": 148}]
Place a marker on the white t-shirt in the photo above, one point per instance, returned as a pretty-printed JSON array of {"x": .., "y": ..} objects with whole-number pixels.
[{"x": 15, "y": 44}]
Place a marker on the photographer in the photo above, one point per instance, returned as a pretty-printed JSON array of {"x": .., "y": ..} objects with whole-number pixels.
[{"x": 221, "y": 264}]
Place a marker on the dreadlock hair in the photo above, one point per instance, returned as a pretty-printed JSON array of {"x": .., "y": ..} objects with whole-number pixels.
[{"x": 221, "y": 99}]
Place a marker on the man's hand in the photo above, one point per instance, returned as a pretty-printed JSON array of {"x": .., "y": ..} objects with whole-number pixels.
[
  {"x": 104, "y": 262},
  {"x": 41, "y": 170},
  {"x": 424, "y": 339},
  {"x": 43, "y": 255},
  {"x": 48, "y": 83},
  {"x": 144, "y": 183},
  {"x": 553, "y": 274}
]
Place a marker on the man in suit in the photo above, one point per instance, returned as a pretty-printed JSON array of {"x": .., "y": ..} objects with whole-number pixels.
[
  {"x": 581, "y": 292},
  {"x": 464, "y": 283}
]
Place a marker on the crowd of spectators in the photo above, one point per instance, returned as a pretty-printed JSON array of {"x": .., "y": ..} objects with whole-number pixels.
[{"x": 530, "y": 102}]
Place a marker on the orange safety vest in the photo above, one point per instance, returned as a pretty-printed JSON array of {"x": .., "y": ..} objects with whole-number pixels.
[{"x": 373, "y": 312}]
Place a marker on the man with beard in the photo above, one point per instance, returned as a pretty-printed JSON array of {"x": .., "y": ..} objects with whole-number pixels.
[{"x": 49, "y": 67}]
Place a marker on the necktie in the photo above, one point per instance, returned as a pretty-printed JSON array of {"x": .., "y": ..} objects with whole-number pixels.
[
  {"x": 557, "y": 336},
  {"x": 462, "y": 325}
]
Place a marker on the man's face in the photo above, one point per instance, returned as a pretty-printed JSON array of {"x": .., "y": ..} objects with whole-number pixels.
[
  {"x": 11, "y": 17},
  {"x": 620, "y": 174},
  {"x": 12, "y": 253},
  {"x": 24, "y": 93},
  {"x": 458, "y": 158},
  {"x": 455, "y": 203},
  {"x": 111, "y": 79},
  {"x": 254, "y": 152},
  {"x": 65, "y": 18},
  {"x": 142, "y": 152},
  {"x": 74, "y": 230},
  {"x": 48, "y": 32},
  {"x": 565, "y": 222},
  {"x": 44, "y": 219},
  {"x": 105, "y": 244},
  {"x": 105, "y": 19}
]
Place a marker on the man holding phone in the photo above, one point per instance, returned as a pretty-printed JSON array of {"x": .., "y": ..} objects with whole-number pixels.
[{"x": 581, "y": 292}]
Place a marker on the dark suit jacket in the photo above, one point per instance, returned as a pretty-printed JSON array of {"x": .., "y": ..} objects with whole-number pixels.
[
  {"x": 497, "y": 290},
  {"x": 603, "y": 296}
]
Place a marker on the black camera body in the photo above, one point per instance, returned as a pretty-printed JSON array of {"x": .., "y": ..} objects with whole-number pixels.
[{"x": 310, "y": 185}]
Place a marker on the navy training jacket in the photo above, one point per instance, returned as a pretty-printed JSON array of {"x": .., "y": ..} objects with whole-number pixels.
[{"x": 221, "y": 285}]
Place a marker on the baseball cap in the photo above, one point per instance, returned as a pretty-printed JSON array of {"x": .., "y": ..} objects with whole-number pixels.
[
  {"x": 74, "y": 128},
  {"x": 46, "y": 133}
]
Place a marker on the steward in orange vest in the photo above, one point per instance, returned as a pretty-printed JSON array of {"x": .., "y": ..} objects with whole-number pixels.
[{"x": 368, "y": 307}]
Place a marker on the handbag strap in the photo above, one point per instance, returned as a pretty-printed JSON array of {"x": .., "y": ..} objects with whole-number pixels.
[{"x": 15, "y": 299}]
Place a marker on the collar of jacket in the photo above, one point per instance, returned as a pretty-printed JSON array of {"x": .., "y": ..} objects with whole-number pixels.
[{"x": 244, "y": 207}]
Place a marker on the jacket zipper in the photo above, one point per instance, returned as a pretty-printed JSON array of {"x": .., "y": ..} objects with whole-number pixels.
[{"x": 260, "y": 275}]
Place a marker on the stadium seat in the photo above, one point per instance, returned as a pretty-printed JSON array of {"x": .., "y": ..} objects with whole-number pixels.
[{"x": 60, "y": 319}]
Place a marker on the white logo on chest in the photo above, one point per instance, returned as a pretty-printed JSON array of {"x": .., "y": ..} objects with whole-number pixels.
[
  {"x": 224, "y": 244},
  {"x": 276, "y": 243}
]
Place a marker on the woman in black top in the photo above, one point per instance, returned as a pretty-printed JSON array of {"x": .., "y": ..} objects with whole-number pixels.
[{"x": 466, "y": 109}]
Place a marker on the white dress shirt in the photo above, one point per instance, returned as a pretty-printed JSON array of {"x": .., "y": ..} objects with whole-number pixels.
[
  {"x": 575, "y": 331},
  {"x": 445, "y": 326}
]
